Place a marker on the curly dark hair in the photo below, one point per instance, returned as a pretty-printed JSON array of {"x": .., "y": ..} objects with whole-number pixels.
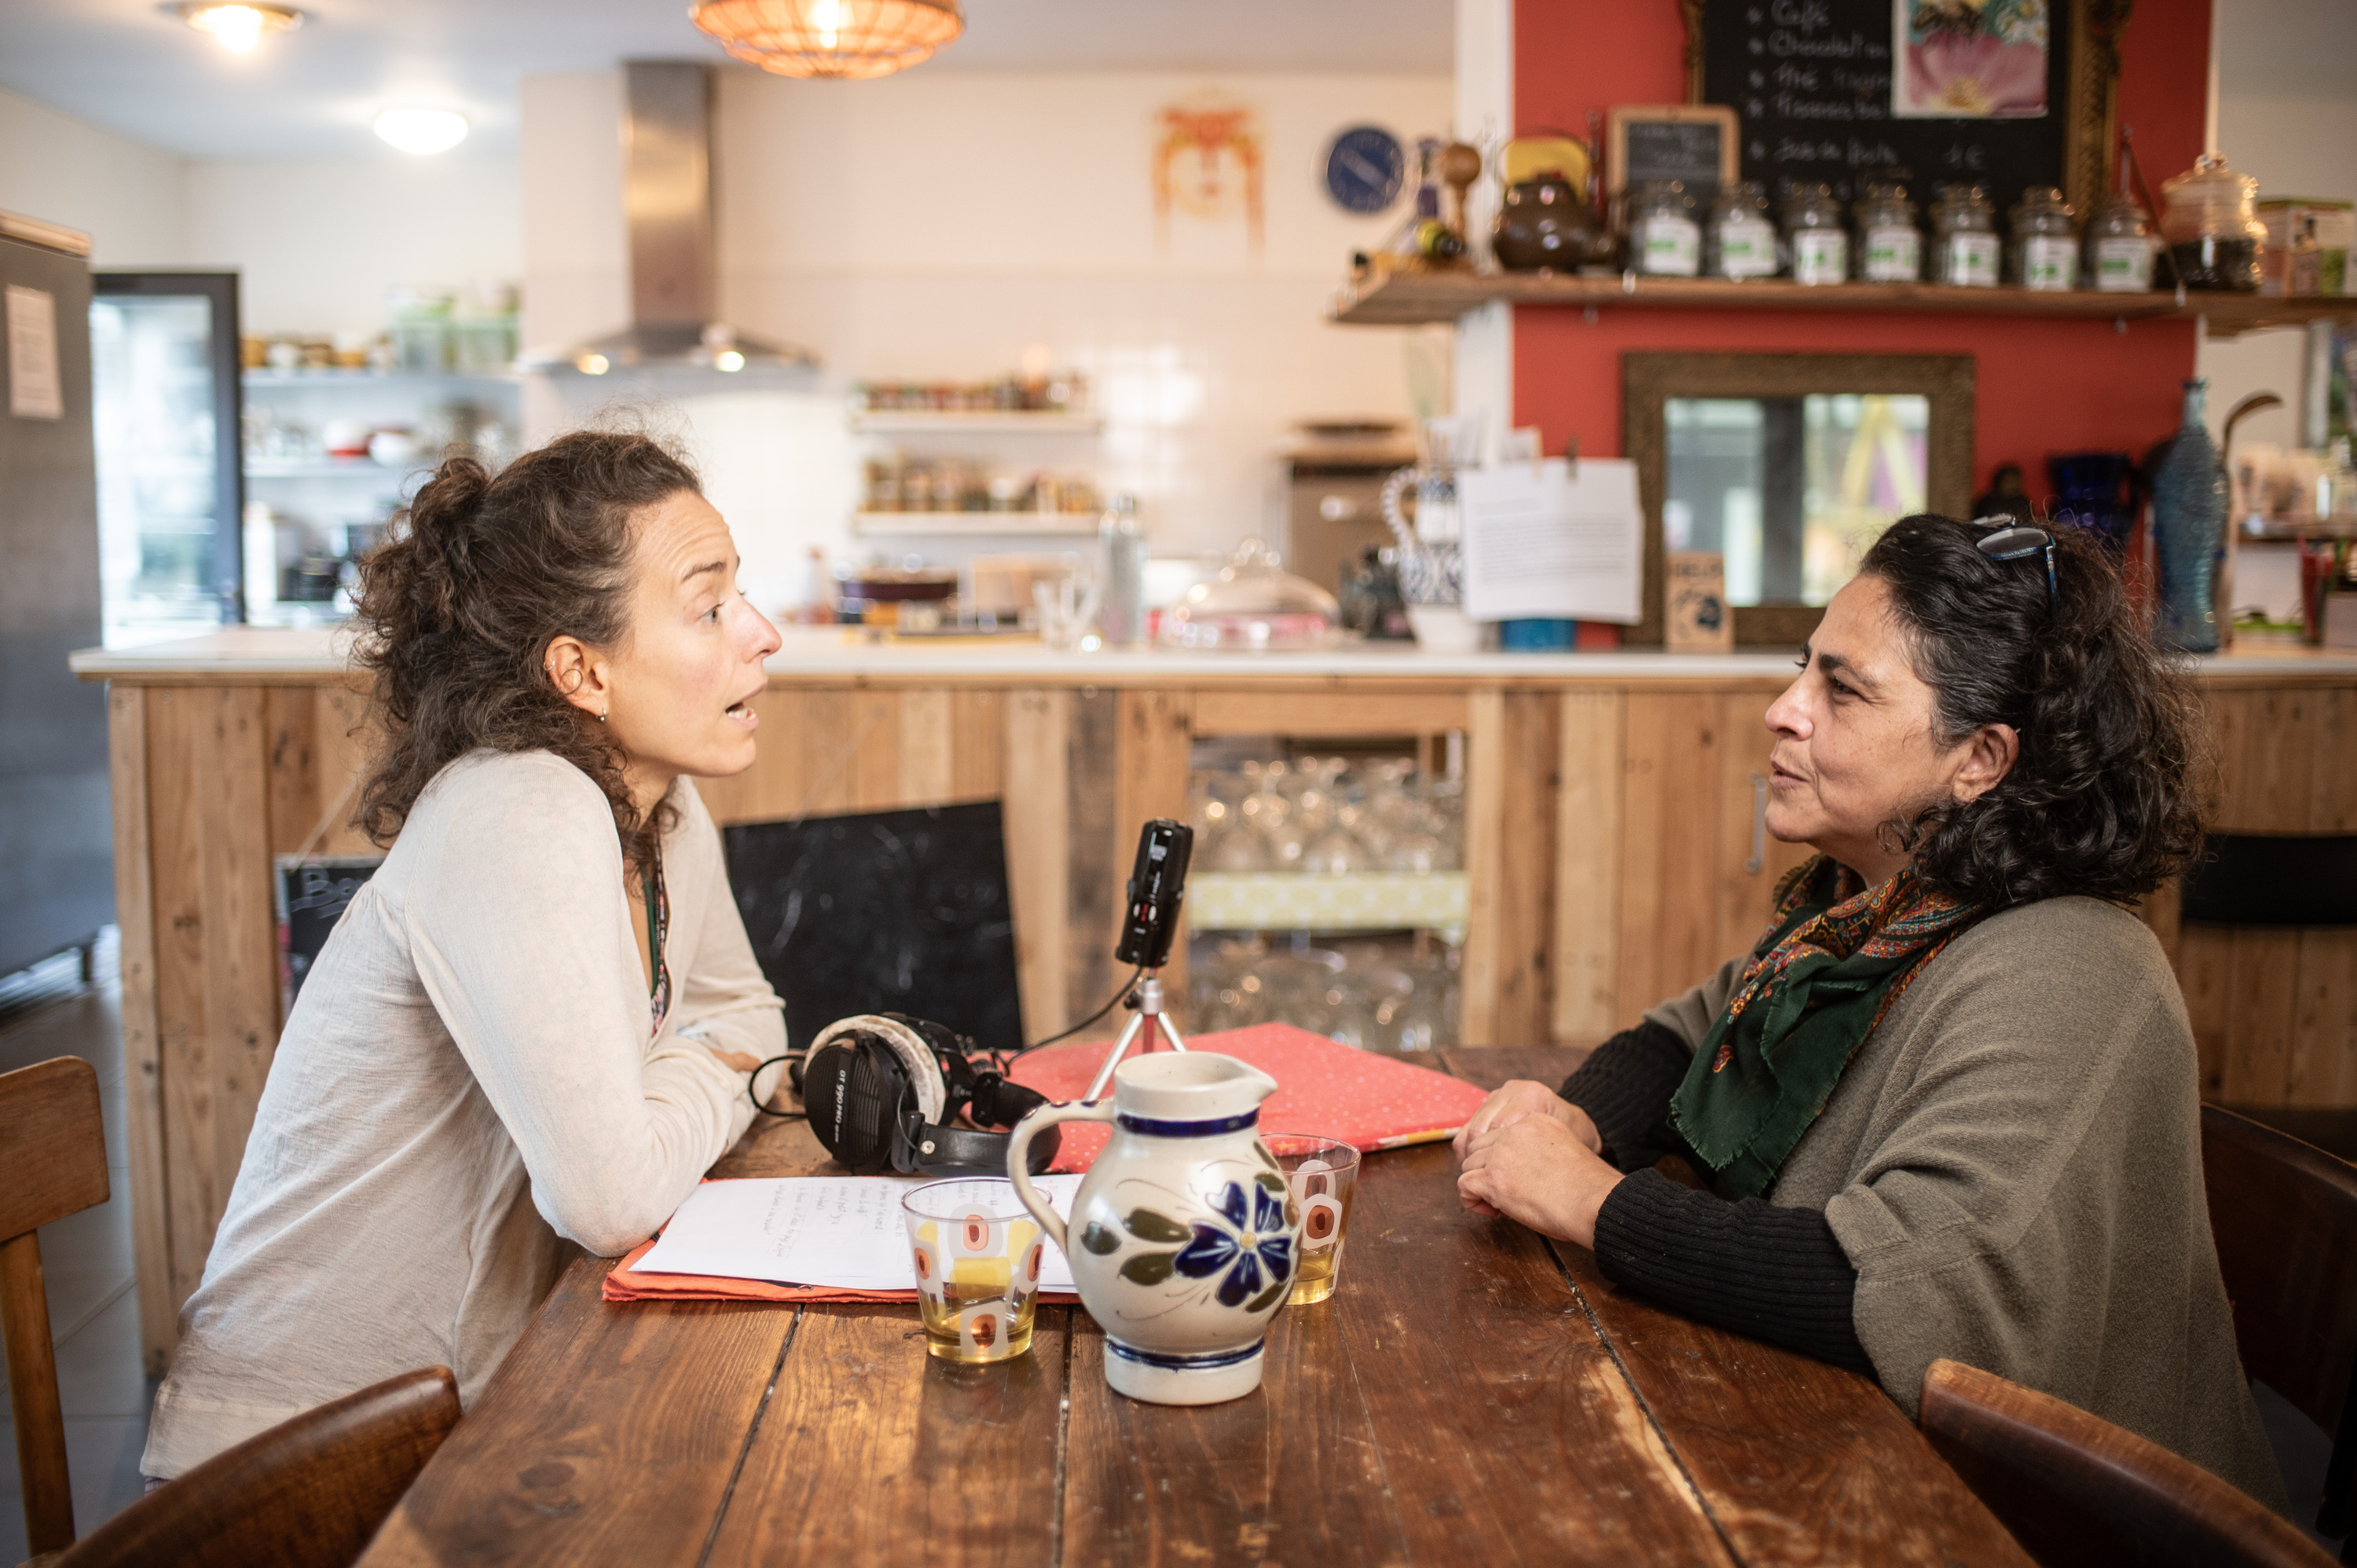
[
  {"x": 479, "y": 574},
  {"x": 2104, "y": 799}
]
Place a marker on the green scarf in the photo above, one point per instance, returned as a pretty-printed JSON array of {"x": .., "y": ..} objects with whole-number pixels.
[{"x": 1836, "y": 956}]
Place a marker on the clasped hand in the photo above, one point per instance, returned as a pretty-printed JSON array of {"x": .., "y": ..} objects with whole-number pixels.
[{"x": 1530, "y": 1155}]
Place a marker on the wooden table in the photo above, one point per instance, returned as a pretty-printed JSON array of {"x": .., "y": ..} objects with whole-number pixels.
[{"x": 1471, "y": 1394}]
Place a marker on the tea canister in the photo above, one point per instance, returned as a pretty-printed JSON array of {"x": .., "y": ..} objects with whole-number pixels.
[
  {"x": 1184, "y": 1238},
  {"x": 1965, "y": 248},
  {"x": 1815, "y": 235}
]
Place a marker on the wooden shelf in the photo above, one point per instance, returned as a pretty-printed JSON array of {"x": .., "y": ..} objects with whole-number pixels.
[
  {"x": 942, "y": 421},
  {"x": 1414, "y": 298},
  {"x": 984, "y": 522},
  {"x": 346, "y": 377}
]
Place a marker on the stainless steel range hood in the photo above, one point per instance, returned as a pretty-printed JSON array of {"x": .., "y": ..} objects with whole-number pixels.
[{"x": 667, "y": 202}]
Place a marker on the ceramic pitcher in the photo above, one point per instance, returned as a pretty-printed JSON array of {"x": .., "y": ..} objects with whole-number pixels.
[{"x": 1184, "y": 1238}]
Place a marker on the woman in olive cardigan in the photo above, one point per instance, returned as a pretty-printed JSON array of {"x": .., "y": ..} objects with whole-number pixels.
[{"x": 1948, "y": 1106}]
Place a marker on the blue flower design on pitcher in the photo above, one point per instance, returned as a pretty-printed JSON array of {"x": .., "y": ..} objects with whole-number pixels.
[{"x": 1243, "y": 1250}]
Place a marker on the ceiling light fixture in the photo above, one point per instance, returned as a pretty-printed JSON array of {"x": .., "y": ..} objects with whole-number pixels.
[
  {"x": 237, "y": 28},
  {"x": 421, "y": 129},
  {"x": 831, "y": 37}
]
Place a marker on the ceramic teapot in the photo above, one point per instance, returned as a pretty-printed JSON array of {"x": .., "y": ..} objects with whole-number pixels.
[{"x": 1184, "y": 1238}]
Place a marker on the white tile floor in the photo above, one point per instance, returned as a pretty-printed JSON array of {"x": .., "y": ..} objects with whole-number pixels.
[{"x": 86, "y": 1257}]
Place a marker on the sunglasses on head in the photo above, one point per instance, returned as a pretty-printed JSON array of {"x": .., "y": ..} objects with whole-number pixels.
[{"x": 2013, "y": 541}]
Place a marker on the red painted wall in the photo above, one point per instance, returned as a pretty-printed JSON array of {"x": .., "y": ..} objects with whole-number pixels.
[{"x": 2043, "y": 387}]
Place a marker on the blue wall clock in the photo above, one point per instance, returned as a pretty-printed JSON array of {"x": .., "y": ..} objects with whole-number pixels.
[{"x": 1364, "y": 168}]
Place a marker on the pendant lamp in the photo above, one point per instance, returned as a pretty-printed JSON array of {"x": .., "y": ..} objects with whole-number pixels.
[{"x": 831, "y": 37}]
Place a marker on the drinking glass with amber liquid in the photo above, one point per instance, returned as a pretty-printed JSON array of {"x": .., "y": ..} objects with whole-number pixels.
[
  {"x": 1322, "y": 1173},
  {"x": 977, "y": 1256}
]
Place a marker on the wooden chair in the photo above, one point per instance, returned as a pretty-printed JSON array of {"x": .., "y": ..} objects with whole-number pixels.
[
  {"x": 2079, "y": 1492},
  {"x": 2285, "y": 1216},
  {"x": 52, "y": 1164},
  {"x": 308, "y": 1493}
]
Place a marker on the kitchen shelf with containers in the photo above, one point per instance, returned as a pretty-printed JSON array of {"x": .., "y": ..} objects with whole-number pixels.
[
  {"x": 941, "y": 462},
  {"x": 1328, "y": 890},
  {"x": 331, "y": 452}
]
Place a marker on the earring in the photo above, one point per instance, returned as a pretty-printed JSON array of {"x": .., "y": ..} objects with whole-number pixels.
[{"x": 601, "y": 718}]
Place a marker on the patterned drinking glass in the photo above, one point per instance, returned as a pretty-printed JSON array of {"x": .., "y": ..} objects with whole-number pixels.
[
  {"x": 977, "y": 1260},
  {"x": 1322, "y": 1173}
]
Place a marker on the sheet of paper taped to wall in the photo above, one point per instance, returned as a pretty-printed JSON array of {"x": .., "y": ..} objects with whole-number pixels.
[{"x": 1542, "y": 541}]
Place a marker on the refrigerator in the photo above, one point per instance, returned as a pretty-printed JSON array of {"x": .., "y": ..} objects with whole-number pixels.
[{"x": 57, "y": 882}]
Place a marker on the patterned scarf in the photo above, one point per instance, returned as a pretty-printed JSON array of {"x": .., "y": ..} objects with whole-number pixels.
[{"x": 1837, "y": 957}]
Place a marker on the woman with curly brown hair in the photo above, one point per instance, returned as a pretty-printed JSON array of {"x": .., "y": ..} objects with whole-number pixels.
[
  {"x": 537, "y": 1024},
  {"x": 1947, "y": 1107}
]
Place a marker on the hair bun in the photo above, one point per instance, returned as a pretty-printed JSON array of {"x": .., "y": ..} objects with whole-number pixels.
[{"x": 441, "y": 528}]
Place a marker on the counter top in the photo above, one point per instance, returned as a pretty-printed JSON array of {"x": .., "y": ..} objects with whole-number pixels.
[{"x": 846, "y": 655}]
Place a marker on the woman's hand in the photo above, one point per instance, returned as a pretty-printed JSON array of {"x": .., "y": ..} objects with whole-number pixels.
[
  {"x": 1537, "y": 1170},
  {"x": 1522, "y": 1097},
  {"x": 738, "y": 1061}
]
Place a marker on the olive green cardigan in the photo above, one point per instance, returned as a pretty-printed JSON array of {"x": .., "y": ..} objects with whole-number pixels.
[{"x": 2013, "y": 1163}]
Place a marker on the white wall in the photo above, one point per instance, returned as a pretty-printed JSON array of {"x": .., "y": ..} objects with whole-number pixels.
[
  {"x": 130, "y": 198},
  {"x": 318, "y": 243},
  {"x": 933, "y": 227}
]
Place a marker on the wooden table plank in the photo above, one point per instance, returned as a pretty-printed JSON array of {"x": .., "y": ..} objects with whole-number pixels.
[
  {"x": 1798, "y": 1461},
  {"x": 1507, "y": 1432},
  {"x": 611, "y": 1434},
  {"x": 871, "y": 1451}
]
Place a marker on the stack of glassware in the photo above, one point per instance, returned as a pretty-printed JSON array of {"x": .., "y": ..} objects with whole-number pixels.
[
  {"x": 1328, "y": 816},
  {"x": 1399, "y": 994}
]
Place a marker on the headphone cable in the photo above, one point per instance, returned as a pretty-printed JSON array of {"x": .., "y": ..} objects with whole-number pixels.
[{"x": 1127, "y": 987}]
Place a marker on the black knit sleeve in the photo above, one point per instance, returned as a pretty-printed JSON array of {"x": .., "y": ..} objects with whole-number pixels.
[
  {"x": 1777, "y": 1275},
  {"x": 1625, "y": 1087}
]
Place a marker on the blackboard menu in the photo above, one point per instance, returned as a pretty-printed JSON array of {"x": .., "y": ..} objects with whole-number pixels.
[
  {"x": 312, "y": 894},
  {"x": 1687, "y": 150},
  {"x": 1812, "y": 82},
  {"x": 883, "y": 912}
]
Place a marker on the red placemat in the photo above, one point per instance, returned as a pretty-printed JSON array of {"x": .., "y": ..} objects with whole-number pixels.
[{"x": 1323, "y": 1086}]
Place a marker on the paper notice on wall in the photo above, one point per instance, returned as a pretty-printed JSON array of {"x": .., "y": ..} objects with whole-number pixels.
[
  {"x": 1541, "y": 541},
  {"x": 34, "y": 392}
]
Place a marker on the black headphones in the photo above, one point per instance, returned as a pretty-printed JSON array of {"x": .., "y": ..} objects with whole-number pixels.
[{"x": 882, "y": 1092}]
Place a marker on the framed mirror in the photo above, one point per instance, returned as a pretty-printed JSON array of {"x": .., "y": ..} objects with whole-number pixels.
[{"x": 1789, "y": 465}]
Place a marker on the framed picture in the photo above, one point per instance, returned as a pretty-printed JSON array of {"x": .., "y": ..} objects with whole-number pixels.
[
  {"x": 1691, "y": 142},
  {"x": 1787, "y": 467}
]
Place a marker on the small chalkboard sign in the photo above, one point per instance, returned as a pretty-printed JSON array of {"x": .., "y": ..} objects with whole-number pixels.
[
  {"x": 1811, "y": 83},
  {"x": 1690, "y": 142},
  {"x": 883, "y": 912},
  {"x": 312, "y": 894}
]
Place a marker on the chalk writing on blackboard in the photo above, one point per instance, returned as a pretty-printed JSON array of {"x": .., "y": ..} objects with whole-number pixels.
[{"x": 1810, "y": 83}]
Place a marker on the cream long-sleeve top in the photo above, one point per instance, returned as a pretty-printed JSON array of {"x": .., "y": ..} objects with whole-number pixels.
[{"x": 471, "y": 1079}]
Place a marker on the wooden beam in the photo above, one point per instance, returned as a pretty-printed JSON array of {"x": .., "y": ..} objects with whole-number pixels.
[
  {"x": 143, "y": 1067},
  {"x": 1039, "y": 852}
]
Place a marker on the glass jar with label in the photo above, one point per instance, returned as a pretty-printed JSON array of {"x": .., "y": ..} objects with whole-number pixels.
[
  {"x": 2045, "y": 240},
  {"x": 1889, "y": 248},
  {"x": 2119, "y": 246},
  {"x": 1965, "y": 248},
  {"x": 1815, "y": 236},
  {"x": 1740, "y": 240},
  {"x": 1663, "y": 238}
]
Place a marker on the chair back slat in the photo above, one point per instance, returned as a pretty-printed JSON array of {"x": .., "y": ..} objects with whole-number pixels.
[
  {"x": 308, "y": 1493},
  {"x": 52, "y": 1164},
  {"x": 2285, "y": 1216},
  {"x": 52, "y": 1148},
  {"x": 2079, "y": 1492}
]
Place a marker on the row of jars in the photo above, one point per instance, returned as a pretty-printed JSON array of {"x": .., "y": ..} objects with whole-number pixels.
[
  {"x": 1880, "y": 240},
  {"x": 1384, "y": 997},
  {"x": 1328, "y": 816},
  {"x": 898, "y": 483}
]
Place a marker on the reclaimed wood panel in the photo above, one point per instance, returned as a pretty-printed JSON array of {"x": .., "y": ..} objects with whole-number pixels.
[
  {"x": 2324, "y": 1020},
  {"x": 2204, "y": 964},
  {"x": 925, "y": 747},
  {"x": 1850, "y": 1480},
  {"x": 193, "y": 1195},
  {"x": 1510, "y": 823},
  {"x": 240, "y": 967},
  {"x": 619, "y": 1437},
  {"x": 1334, "y": 714},
  {"x": 1643, "y": 827},
  {"x": 2262, "y": 984},
  {"x": 1591, "y": 729},
  {"x": 1037, "y": 730},
  {"x": 342, "y": 737},
  {"x": 143, "y": 1068},
  {"x": 292, "y": 782},
  {"x": 977, "y": 745},
  {"x": 1153, "y": 764}
]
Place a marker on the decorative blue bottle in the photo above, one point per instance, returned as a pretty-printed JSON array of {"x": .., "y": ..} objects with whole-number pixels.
[{"x": 2189, "y": 525}]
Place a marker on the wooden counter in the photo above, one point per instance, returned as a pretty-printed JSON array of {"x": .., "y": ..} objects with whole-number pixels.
[{"x": 1610, "y": 816}]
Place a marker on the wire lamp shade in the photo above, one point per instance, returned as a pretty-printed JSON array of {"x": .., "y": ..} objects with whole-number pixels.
[{"x": 831, "y": 37}]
